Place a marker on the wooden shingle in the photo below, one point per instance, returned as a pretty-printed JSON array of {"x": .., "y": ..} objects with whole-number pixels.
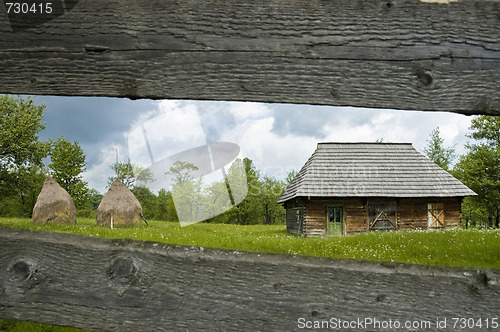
[{"x": 372, "y": 170}]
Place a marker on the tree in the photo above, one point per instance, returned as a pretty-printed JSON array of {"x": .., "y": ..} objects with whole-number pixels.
[
  {"x": 479, "y": 169},
  {"x": 181, "y": 171},
  {"x": 250, "y": 210},
  {"x": 147, "y": 199},
  {"x": 28, "y": 180},
  {"x": 161, "y": 212},
  {"x": 186, "y": 191},
  {"x": 170, "y": 207},
  {"x": 436, "y": 152},
  {"x": 259, "y": 206},
  {"x": 95, "y": 198},
  {"x": 272, "y": 190},
  {"x": 130, "y": 174},
  {"x": 487, "y": 130},
  {"x": 20, "y": 123},
  {"x": 67, "y": 165},
  {"x": 289, "y": 177},
  {"x": 21, "y": 154}
]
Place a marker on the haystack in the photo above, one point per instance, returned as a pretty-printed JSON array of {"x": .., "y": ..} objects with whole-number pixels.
[
  {"x": 120, "y": 204},
  {"x": 54, "y": 205}
]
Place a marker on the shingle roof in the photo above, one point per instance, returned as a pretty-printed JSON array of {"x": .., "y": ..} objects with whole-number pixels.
[{"x": 372, "y": 170}]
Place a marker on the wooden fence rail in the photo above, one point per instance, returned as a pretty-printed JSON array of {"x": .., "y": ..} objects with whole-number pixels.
[
  {"x": 124, "y": 285},
  {"x": 401, "y": 54}
]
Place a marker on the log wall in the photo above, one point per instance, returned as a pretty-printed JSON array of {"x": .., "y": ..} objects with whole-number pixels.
[
  {"x": 453, "y": 212},
  {"x": 316, "y": 215},
  {"x": 412, "y": 213}
]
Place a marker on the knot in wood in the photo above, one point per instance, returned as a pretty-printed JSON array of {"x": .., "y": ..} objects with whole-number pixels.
[
  {"x": 482, "y": 279},
  {"x": 424, "y": 78},
  {"x": 123, "y": 269},
  {"x": 22, "y": 270}
]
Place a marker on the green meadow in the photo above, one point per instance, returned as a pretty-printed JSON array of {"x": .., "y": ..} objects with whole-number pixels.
[{"x": 452, "y": 247}]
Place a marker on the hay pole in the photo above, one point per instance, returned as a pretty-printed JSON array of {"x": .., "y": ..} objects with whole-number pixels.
[{"x": 142, "y": 216}]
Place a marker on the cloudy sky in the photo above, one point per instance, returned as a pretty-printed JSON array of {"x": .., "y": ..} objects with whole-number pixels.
[{"x": 277, "y": 137}]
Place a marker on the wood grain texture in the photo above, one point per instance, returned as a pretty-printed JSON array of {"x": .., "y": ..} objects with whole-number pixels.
[
  {"x": 401, "y": 54},
  {"x": 124, "y": 285}
]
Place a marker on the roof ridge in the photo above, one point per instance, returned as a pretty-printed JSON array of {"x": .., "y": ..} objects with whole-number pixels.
[{"x": 373, "y": 143}]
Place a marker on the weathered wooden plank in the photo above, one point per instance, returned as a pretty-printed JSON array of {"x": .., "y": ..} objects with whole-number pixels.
[
  {"x": 124, "y": 285},
  {"x": 402, "y": 54}
]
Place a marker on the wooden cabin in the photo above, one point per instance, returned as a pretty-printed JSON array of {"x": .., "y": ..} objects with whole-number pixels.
[{"x": 346, "y": 188}]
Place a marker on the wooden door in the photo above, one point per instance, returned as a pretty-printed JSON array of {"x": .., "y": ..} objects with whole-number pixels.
[
  {"x": 435, "y": 215},
  {"x": 382, "y": 216},
  {"x": 335, "y": 221}
]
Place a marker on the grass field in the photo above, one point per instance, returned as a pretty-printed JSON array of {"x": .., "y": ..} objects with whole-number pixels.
[
  {"x": 454, "y": 247},
  {"x": 12, "y": 326}
]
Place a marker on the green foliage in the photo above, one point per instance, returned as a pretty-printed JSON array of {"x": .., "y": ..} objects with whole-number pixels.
[
  {"x": 29, "y": 180},
  {"x": 289, "y": 177},
  {"x": 95, "y": 198},
  {"x": 171, "y": 211},
  {"x": 16, "y": 326},
  {"x": 129, "y": 174},
  {"x": 67, "y": 166},
  {"x": 188, "y": 191},
  {"x": 271, "y": 192},
  {"x": 479, "y": 169},
  {"x": 21, "y": 154},
  {"x": 486, "y": 128},
  {"x": 161, "y": 211},
  {"x": 20, "y": 122},
  {"x": 248, "y": 212},
  {"x": 259, "y": 206},
  {"x": 181, "y": 171},
  {"x": 88, "y": 209},
  {"x": 436, "y": 151},
  {"x": 147, "y": 199}
]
